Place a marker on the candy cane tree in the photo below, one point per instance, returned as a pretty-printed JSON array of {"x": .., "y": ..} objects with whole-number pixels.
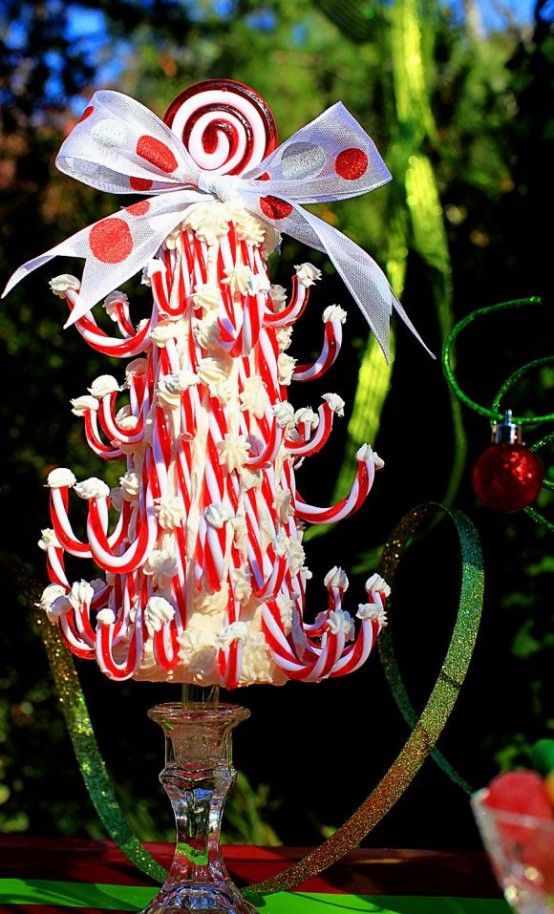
[{"x": 200, "y": 546}]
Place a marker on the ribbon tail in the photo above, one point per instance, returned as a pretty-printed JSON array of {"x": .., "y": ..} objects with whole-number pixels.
[
  {"x": 365, "y": 281},
  {"x": 66, "y": 248},
  {"x": 101, "y": 278},
  {"x": 398, "y": 307},
  {"x": 115, "y": 248}
]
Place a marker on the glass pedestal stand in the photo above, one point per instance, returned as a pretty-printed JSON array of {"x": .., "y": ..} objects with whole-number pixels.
[{"x": 197, "y": 776}]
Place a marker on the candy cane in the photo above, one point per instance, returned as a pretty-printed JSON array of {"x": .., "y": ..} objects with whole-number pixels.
[
  {"x": 104, "y": 654},
  {"x": 365, "y": 475},
  {"x": 331, "y": 348},
  {"x": 98, "y": 340},
  {"x": 111, "y": 427}
]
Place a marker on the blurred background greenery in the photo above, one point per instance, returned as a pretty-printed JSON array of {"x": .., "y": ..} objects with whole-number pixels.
[{"x": 459, "y": 102}]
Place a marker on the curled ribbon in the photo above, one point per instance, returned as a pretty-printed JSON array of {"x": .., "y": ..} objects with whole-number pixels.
[{"x": 119, "y": 146}]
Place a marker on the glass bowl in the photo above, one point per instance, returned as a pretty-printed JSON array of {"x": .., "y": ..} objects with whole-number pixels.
[{"x": 521, "y": 853}]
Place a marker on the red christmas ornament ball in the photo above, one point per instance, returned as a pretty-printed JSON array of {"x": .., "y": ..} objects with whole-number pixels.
[{"x": 507, "y": 477}]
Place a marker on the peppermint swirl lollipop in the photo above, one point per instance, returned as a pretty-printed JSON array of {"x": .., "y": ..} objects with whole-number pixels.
[{"x": 226, "y": 127}]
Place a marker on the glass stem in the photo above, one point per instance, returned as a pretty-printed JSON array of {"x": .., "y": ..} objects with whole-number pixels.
[{"x": 197, "y": 775}]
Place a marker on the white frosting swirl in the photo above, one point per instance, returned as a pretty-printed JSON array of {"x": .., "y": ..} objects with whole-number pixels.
[
  {"x": 306, "y": 415},
  {"x": 127, "y": 423},
  {"x": 376, "y": 583},
  {"x": 136, "y": 368},
  {"x": 278, "y": 295},
  {"x": 209, "y": 221},
  {"x": 236, "y": 631},
  {"x": 170, "y": 511},
  {"x": 307, "y": 274},
  {"x": 334, "y": 313},
  {"x": 258, "y": 284},
  {"x": 172, "y": 240},
  {"x": 373, "y": 612},
  {"x": 91, "y": 488},
  {"x": 157, "y": 611},
  {"x": 242, "y": 587},
  {"x": 285, "y": 606},
  {"x": 56, "y": 607},
  {"x": 206, "y": 331},
  {"x": 285, "y": 367},
  {"x": 247, "y": 226},
  {"x": 238, "y": 278},
  {"x": 105, "y": 616},
  {"x": 207, "y": 296},
  {"x": 340, "y": 621},
  {"x": 296, "y": 556},
  {"x": 336, "y": 577},
  {"x": 84, "y": 404},
  {"x": 172, "y": 386},
  {"x": 50, "y": 594},
  {"x": 251, "y": 479},
  {"x": 130, "y": 484},
  {"x": 81, "y": 594},
  {"x": 63, "y": 283},
  {"x": 212, "y": 370},
  {"x": 253, "y": 396},
  {"x": 336, "y": 403},
  {"x": 367, "y": 454},
  {"x": 284, "y": 414},
  {"x": 103, "y": 385},
  {"x": 163, "y": 331},
  {"x": 211, "y": 604},
  {"x": 61, "y": 477},
  {"x": 233, "y": 451},
  {"x": 283, "y": 504},
  {"x": 49, "y": 539},
  {"x": 111, "y": 302},
  {"x": 162, "y": 565},
  {"x": 217, "y": 514},
  {"x": 284, "y": 338}
]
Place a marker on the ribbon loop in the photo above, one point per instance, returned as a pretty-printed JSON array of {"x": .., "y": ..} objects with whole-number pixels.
[{"x": 119, "y": 146}]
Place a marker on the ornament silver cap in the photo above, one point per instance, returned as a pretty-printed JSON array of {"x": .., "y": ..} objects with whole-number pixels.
[{"x": 506, "y": 431}]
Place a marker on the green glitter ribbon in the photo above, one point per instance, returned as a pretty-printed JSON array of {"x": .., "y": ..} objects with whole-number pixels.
[
  {"x": 92, "y": 766},
  {"x": 81, "y": 731},
  {"x": 471, "y": 603},
  {"x": 426, "y": 728}
]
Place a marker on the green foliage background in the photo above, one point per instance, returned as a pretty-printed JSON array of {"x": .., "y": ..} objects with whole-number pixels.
[{"x": 463, "y": 122}]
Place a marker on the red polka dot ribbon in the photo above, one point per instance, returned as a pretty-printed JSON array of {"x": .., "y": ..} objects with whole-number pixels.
[{"x": 119, "y": 146}]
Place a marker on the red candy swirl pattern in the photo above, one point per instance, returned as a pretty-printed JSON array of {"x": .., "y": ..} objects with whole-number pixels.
[{"x": 226, "y": 127}]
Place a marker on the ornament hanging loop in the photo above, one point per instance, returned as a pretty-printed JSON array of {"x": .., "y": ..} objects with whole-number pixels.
[{"x": 507, "y": 431}]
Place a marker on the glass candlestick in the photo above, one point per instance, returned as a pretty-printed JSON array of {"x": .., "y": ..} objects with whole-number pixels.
[{"x": 197, "y": 776}]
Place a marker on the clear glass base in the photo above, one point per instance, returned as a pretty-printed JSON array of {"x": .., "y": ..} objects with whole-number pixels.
[
  {"x": 197, "y": 776},
  {"x": 207, "y": 899}
]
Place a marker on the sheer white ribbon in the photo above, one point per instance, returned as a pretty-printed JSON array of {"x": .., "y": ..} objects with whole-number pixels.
[{"x": 119, "y": 146}]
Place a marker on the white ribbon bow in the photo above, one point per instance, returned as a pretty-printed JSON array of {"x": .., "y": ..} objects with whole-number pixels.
[{"x": 119, "y": 146}]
